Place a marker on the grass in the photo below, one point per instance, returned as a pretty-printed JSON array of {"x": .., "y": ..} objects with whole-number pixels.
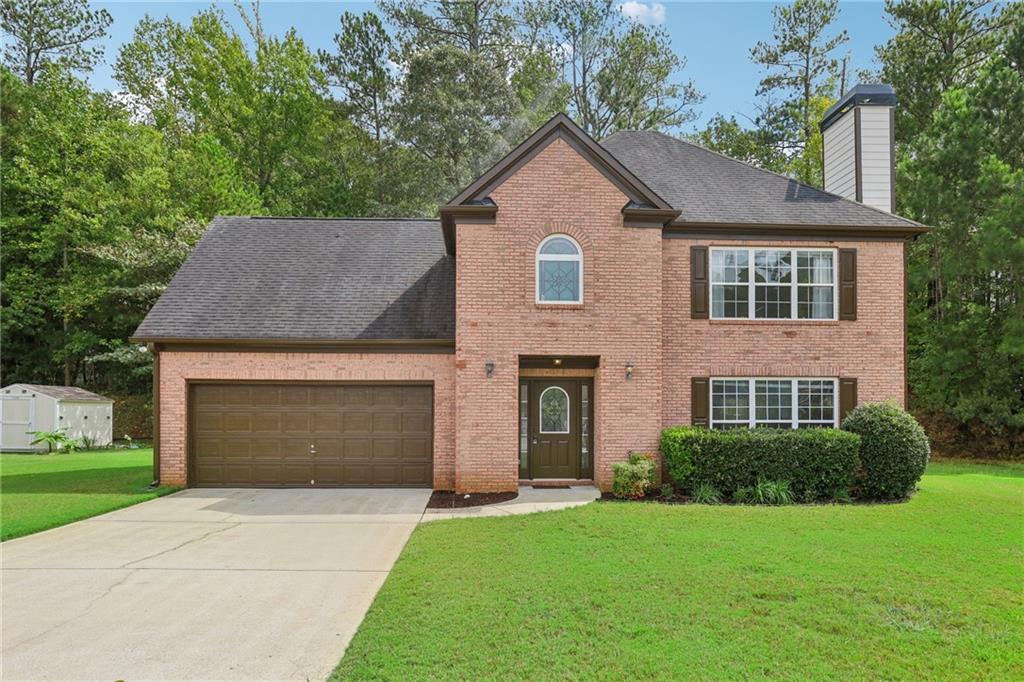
[
  {"x": 928, "y": 589},
  {"x": 44, "y": 491}
]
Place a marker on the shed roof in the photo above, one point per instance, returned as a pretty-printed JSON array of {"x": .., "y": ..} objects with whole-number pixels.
[{"x": 72, "y": 393}]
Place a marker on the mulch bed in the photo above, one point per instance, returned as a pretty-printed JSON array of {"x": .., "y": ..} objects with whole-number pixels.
[
  {"x": 447, "y": 499},
  {"x": 678, "y": 499}
]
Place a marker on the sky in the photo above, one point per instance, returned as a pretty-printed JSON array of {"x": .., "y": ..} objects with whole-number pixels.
[{"x": 714, "y": 37}]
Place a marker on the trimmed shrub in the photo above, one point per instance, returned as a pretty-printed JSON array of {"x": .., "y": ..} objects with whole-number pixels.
[
  {"x": 893, "y": 451},
  {"x": 678, "y": 446},
  {"x": 633, "y": 478},
  {"x": 815, "y": 462}
]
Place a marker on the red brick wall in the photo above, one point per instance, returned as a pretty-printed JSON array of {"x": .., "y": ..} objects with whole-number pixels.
[
  {"x": 177, "y": 367},
  {"x": 497, "y": 318},
  {"x": 869, "y": 349}
]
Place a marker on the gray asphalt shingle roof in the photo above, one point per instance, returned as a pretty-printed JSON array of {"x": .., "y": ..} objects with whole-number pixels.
[
  {"x": 711, "y": 188},
  {"x": 310, "y": 279}
]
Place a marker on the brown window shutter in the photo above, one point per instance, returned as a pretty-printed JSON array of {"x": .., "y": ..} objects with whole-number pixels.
[
  {"x": 699, "y": 282},
  {"x": 847, "y": 397},
  {"x": 847, "y": 284},
  {"x": 700, "y": 401}
]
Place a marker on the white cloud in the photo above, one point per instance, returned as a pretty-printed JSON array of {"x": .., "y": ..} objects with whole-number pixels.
[{"x": 643, "y": 12}]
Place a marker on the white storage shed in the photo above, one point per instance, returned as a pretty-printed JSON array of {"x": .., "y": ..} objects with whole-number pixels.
[{"x": 25, "y": 408}]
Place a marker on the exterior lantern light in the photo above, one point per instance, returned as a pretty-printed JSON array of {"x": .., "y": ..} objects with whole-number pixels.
[
  {"x": 629, "y": 369},
  {"x": 489, "y": 368}
]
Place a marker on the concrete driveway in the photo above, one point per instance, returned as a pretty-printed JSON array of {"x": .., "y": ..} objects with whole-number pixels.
[{"x": 203, "y": 584}]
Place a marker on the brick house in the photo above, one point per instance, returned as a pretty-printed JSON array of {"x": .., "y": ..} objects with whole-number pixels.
[{"x": 568, "y": 305}]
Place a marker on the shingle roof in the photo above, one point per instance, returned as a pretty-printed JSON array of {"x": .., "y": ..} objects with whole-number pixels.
[
  {"x": 66, "y": 393},
  {"x": 712, "y": 188},
  {"x": 310, "y": 279}
]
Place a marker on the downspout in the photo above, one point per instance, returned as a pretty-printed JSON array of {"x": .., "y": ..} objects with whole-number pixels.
[{"x": 155, "y": 350}]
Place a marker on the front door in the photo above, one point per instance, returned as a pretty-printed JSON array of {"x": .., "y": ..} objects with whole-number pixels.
[{"x": 556, "y": 416}]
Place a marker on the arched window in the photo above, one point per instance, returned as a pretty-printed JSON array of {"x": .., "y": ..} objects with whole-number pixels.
[
  {"x": 559, "y": 270},
  {"x": 554, "y": 410}
]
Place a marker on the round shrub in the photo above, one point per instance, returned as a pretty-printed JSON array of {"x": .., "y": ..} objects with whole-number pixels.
[
  {"x": 893, "y": 451},
  {"x": 633, "y": 478}
]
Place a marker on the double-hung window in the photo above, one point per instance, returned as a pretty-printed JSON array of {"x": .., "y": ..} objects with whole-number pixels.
[
  {"x": 773, "y": 284},
  {"x": 773, "y": 403}
]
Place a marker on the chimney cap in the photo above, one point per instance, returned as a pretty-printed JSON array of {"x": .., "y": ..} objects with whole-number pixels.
[{"x": 864, "y": 94}]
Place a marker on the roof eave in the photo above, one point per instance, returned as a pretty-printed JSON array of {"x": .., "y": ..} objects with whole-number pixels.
[
  {"x": 298, "y": 345},
  {"x": 909, "y": 231},
  {"x": 648, "y": 217},
  {"x": 479, "y": 214}
]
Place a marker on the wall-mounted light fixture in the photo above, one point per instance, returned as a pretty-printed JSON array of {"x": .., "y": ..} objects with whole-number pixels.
[
  {"x": 557, "y": 362},
  {"x": 489, "y": 368},
  {"x": 629, "y": 369}
]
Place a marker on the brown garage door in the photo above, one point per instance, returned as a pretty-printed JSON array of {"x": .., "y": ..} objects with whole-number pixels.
[{"x": 311, "y": 435}]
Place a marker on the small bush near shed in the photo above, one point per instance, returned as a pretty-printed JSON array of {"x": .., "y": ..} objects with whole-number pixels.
[
  {"x": 633, "y": 478},
  {"x": 893, "y": 451},
  {"x": 815, "y": 462}
]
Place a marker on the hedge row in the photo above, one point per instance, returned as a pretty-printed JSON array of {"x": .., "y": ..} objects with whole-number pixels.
[
  {"x": 818, "y": 464},
  {"x": 880, "y": 454}
]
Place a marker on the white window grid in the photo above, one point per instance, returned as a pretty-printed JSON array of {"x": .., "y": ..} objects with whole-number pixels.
[
  {"x": 797, "y": 386},
  {"x": 794, "y": 284}
]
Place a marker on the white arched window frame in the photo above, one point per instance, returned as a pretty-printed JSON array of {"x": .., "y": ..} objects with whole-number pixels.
[
  {"x": 567, "y": 404},
  {"x": 553, "y": 250}
]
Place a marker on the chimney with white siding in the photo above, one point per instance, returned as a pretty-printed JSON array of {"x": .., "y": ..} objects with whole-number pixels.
[{"x": 857, "y": 136}]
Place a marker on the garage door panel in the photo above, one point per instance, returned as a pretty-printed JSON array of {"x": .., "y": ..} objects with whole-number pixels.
[
  {"x": 327, "y": 422},
  {"x": 358, "y": 422},
  {"x": 236, "y": 448},
  {"x": 387, "y": 396},
  {"x": 264, "y": 421},
  {"x": 294, "y": 395},
  {"x": 236, "y": 396},
  {"x": 361, "y": 435},
  {"x": 356, "y": 396},
  {"x": 418, "y": 474},
  {"x": 356, "y": 448},
  {"x": 328, "y": 448},
  {"x": 389, "y": 423},
  {"x": 418, "y": 396},
  {"x": 324, "y": 396},
  {"x": 386, "y": 448},
  {"x": 413, "y": 422},
  {"x": 239, "y": 422},
  {"x": 416, "y": 449}
]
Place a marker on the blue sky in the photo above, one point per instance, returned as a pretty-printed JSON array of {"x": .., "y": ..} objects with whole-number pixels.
[{"x": 715, "y": 37}]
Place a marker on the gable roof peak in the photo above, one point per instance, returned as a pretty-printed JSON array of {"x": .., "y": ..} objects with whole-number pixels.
[{"x": 559, "y": 126}]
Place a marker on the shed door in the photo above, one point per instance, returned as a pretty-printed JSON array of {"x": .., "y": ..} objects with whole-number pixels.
[
  {"x": 319, "y": 435},
  {"x": 16, "y": 423}
]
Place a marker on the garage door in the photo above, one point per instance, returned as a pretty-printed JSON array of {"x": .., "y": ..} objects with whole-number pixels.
[{"x": 267, "y": 435}]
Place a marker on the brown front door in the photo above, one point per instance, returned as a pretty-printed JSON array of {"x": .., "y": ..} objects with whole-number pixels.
[
  {"x": 311, "y": 435},
  {"x": 555, "y": 429}
]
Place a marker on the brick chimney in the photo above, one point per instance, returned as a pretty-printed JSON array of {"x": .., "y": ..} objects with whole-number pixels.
[{"x": 857, "y": 136}]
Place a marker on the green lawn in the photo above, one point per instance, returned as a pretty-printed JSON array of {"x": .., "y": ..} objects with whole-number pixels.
[
  {"x": 930, "y": 589},
  {"x": 43, "y": 491}
]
